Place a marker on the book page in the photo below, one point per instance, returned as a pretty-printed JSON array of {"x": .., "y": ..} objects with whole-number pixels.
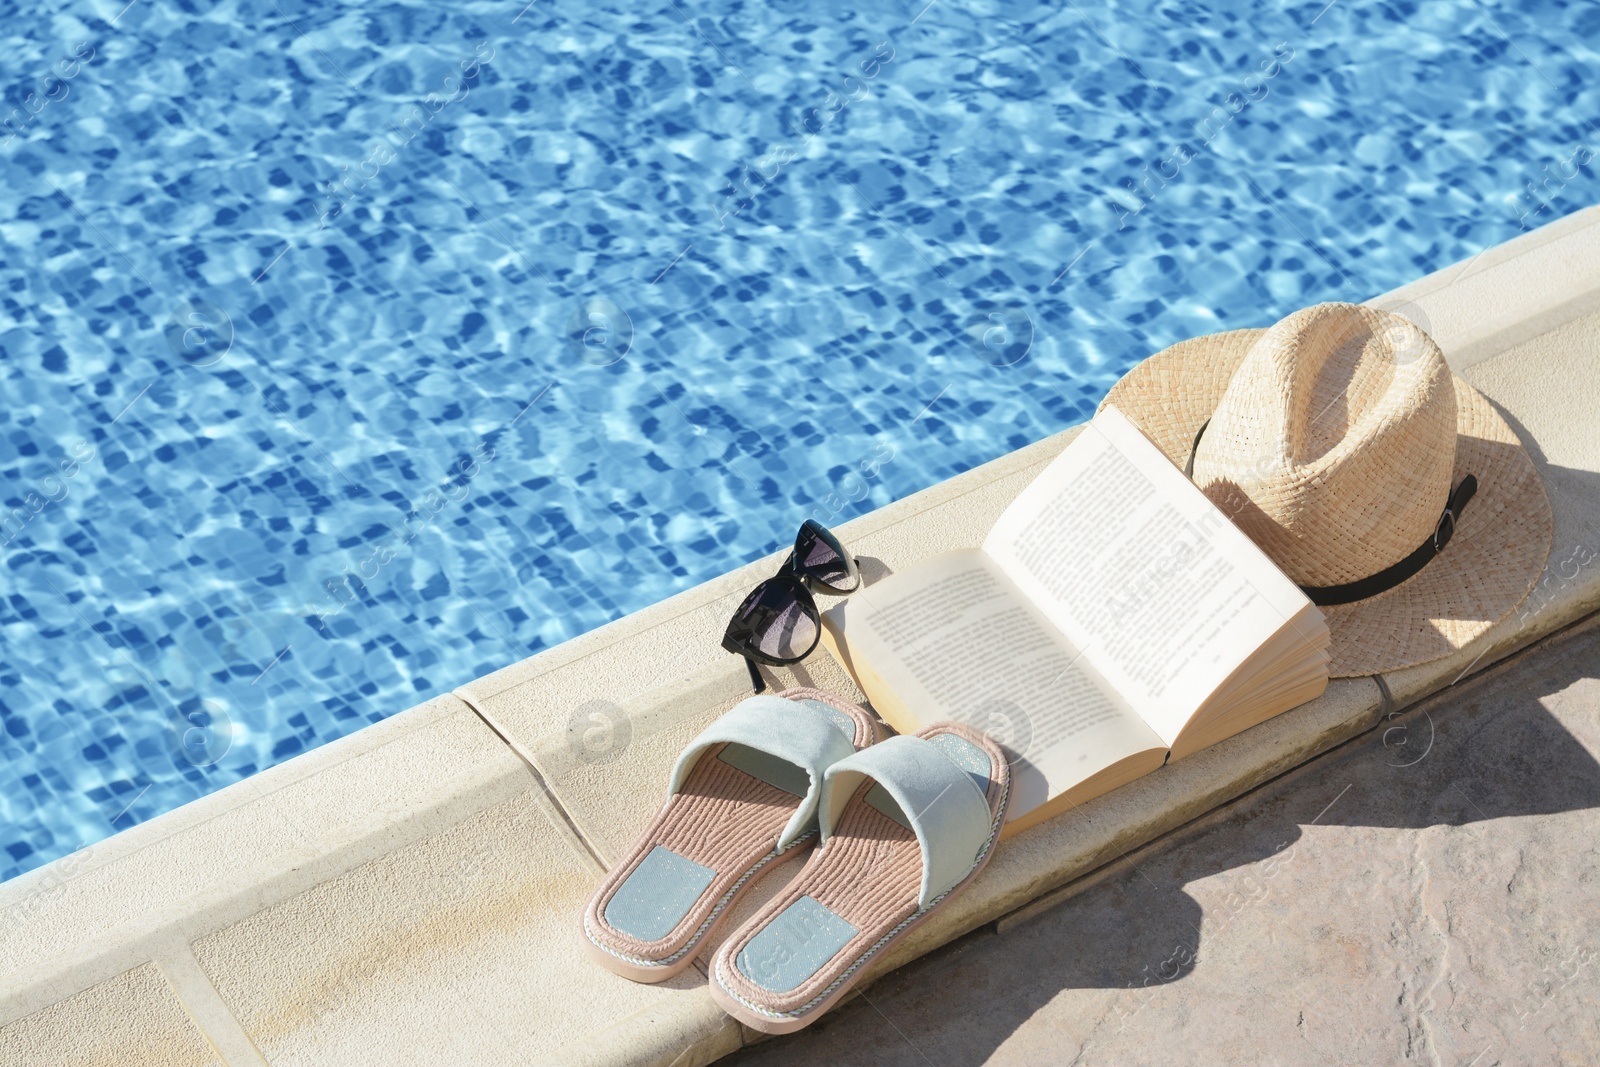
[
  {"x": 1123, "y": 554},
  {"x": 954, "y": 639}
]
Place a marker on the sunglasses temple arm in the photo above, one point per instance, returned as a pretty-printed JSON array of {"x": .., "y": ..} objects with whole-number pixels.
[{"x": 755, "y": 675}]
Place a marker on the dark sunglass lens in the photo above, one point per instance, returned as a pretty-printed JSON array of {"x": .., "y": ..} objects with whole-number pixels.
[
  {"x": 777, "y": 619},
  {"x": 823, "y": 559},
  {"x": 790, "y": 634}
]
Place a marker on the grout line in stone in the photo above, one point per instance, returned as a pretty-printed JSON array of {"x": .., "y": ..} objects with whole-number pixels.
[
  {"x": 575, "y": 835},
  {"x": 204, "y": 1005}
]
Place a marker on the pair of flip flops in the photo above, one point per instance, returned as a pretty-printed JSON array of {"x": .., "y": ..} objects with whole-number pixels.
[{"x": 904, "y": 824}]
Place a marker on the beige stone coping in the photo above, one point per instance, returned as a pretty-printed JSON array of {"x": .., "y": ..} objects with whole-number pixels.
[
  {"x": 409, "y": 894},
  {"x": 1508, "y": 293},
  {"x": 154, "y": 1030}
]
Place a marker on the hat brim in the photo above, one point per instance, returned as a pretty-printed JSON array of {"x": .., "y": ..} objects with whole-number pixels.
[{"x": 1501, "y": 543}]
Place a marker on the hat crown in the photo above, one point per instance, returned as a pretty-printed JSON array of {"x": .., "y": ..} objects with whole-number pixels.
[{"x": 1334, "y": 443}]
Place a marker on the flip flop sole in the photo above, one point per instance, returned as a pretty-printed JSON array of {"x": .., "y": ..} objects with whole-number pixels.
[
  {"x": 650, "y": 973},
  {"x": 768, "y": 1025}
]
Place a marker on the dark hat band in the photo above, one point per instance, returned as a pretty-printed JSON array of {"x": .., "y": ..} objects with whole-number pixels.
[{"x": 1325, "y": 596}]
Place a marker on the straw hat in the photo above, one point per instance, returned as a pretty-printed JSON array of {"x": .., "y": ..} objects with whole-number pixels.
[{"x": 1336, "y": 439}]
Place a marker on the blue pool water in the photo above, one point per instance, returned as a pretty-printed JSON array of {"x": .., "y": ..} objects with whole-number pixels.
[{"x": 350, "y": 352}]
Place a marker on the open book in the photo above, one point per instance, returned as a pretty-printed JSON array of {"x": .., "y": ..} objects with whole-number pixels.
[{"x": 1113, "y": 617}]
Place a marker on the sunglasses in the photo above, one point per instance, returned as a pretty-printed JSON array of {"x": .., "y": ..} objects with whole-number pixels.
[{"x": 779, "y": 624}]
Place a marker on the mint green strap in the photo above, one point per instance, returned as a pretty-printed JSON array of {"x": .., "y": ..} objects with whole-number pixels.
[
  {"x": 796, "y": 732},
  {"x": 943, "y": 805}
]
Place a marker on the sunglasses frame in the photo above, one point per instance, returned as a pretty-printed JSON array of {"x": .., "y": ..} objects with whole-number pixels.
[{"x": 796, "y": 583}]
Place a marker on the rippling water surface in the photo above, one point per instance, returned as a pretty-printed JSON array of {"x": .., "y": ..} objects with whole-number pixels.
[{"x": 351, "y": 351}]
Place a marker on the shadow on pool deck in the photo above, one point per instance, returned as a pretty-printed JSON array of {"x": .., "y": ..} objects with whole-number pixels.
[{"x": 1487, "y": 752}]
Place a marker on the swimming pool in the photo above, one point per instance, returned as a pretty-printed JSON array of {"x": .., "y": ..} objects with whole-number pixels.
[{"x": 349, "y": 354}]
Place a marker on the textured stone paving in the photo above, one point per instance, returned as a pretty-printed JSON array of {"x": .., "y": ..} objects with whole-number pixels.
[{"x": 1427, "y": 895}]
